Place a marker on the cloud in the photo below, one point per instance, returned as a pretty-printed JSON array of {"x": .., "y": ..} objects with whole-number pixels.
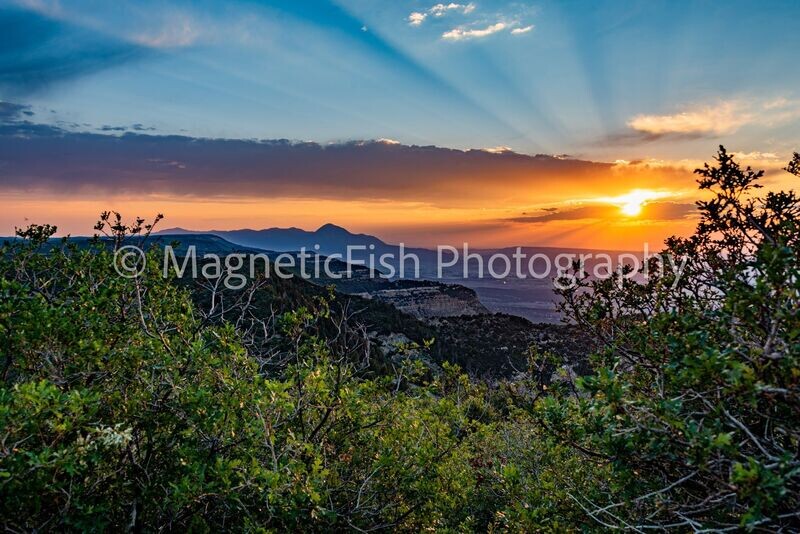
[
  {"x": 108, "y": 128},
  {"x": 417, "y": 18},
  {"x": 10, "y": 112},
  {"x": 460, "y": 34},
  {"x": 653, "y": 211},
  {"x": 777, "y": 103},
  {"x": 439, "y": 10},
  {"x": 756, "y": 156},
  {"x": 497, "y": 149},
  {"x": 519, "y": 31},
  {"x": 641, "y": 165},
  {"x": 132, "y": 128},
  {"x": 721, "y": 118},
  {"x": 482, "y": 26},
  {"x": 768, "y": 161},
  {"x": 16, "y": 118},
  {"x": 41, "y": 159},
  {"x": 179, "y": 30}
]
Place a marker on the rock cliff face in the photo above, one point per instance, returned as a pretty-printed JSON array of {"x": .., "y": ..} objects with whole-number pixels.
[{"x": 431, "y": 300}]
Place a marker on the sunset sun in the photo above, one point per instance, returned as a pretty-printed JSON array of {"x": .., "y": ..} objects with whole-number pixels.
[
  {"x": 631, "y": 204},
  {"x": 632, "y": 208}
]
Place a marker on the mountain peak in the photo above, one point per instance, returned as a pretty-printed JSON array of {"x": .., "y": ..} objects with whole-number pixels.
[
  {"x": 177, "y": 230},
  {"x": 330, "y": 228}
]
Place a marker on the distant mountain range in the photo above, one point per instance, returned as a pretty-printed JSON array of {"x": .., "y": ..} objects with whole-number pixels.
[
  {"x": 532, "y": 298},
  {"x": 333, "y": 239},
  {"x": 330, "y": 238}
]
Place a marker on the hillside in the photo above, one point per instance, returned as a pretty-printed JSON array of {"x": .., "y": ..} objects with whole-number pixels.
[{"x": 495, "y": 345}]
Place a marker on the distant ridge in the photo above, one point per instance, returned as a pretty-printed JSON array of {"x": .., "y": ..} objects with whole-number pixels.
[
  {"x": 177, "y": 231},
  {"x": 181, "y": 240},
  {"x": 334, "y": 239},
  {"x": 330, "y": 238}
]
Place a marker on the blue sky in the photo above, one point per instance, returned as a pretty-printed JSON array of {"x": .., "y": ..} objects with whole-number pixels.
[{"x": 559, "y": 77}]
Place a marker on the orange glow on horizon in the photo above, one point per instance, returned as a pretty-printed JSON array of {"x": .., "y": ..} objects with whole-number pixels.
[{"x": 415, "y": 224}]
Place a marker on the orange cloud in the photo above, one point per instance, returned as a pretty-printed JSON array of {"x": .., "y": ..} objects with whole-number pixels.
[{"x": 722, "y": 118}]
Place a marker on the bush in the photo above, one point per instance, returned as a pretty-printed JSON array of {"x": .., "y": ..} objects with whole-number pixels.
[{"x": 696, "y": 400}]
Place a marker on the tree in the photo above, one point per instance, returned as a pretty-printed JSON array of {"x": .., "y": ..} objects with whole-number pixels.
[{"x": 696, "y": 399}]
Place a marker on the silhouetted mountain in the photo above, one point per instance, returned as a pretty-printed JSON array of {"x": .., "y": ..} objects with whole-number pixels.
[
  {"x": 203, "y": 243},
  {"x": 177, "y": 231},
  {"x": 330, "y": 238}
]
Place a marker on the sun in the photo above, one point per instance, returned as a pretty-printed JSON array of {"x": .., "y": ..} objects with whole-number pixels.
[
  {"x": 632, "y": 204},
  {"x": 632, "y": 209}
]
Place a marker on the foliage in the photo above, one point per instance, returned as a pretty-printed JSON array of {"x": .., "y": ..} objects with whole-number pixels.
[{"x": 696, "y": 399}]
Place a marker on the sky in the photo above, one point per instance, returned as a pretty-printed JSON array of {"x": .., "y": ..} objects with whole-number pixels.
[{"x": 570, "y": 123}]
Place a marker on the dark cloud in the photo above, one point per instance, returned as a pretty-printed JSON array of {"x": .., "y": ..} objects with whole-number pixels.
[
  {"x": 36, "y": 51},
  {"x": 636, "y": 137},
  {"x": 57, "y": 160},
  {"x": 553, "y": 214},
  {"x": 132, "y": 128},
  {"x": 10, "y": 112},
  {"x": 653, "y": 211}
]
